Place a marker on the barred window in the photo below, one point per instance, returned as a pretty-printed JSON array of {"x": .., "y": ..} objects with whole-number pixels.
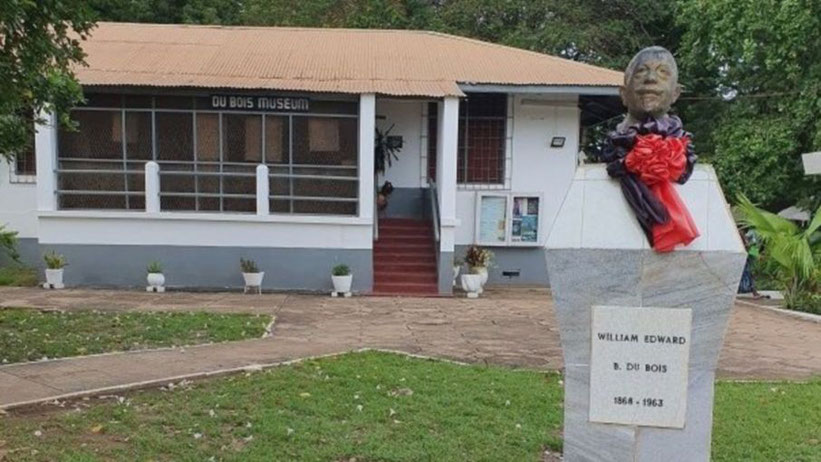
[
  {"x": 482, "y": 121},
  {"x": 481, "y": 147},
  {"x": 208, "y": 158},
  {"x": 25, "y": 162}
]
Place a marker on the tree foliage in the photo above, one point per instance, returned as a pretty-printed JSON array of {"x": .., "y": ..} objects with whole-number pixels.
[
  {"x": 39, "y": 42},
  {"x": 764, "y": 58},
  {"x": 751, "y": 68}
]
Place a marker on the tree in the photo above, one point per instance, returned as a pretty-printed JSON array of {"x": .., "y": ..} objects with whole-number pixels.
[
  {"x": 39, "y": 43},
  {"x": 757, "y": 64},
  {"x": 602, "y": 32}
]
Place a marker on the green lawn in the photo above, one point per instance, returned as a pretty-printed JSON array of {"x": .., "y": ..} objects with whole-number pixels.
[
  {"x": 18, "y": 276},
  {"x": 28, "y": 335},
  {"x": 377, "y": 407}
]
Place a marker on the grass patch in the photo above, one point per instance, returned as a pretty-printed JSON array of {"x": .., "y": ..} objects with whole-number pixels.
[
  {"x": 28, "y": 335},
  {"x": 377, "y": 407},
  {"x": 767, "y": 422},
  {"x": 18, "y": 276}
]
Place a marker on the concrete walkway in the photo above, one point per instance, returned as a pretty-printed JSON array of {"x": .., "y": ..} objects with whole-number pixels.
[{"x": 511, "y": 327}]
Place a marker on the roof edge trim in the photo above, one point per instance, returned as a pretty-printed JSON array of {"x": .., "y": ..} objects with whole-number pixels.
[{"x": 543, "y": 89}]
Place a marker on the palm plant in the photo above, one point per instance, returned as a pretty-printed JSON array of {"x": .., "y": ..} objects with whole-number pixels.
[
  {"x": 797, "y": 251},
  {"x": 385, "y": 150}
]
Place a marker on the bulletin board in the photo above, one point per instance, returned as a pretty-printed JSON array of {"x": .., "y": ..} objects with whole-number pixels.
[{"x": 509, "y": 219}]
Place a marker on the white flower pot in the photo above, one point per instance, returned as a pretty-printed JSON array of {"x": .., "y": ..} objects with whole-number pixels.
[
  {"x": 155, "y": 279},
  {"x": 481, "y": 271},
  {"x": 456, "y": 270},
  {"x": 253, "y": 279},
  {"x": 472, "y": 284},
  {"x": 54, "y": 277},
  {"x": 342, "y": 284}
]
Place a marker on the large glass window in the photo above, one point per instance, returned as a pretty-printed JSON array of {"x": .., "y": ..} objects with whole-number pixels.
[{"x": 208, "y": 158}]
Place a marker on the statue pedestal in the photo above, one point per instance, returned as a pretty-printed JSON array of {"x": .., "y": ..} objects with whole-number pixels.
[{"x": 640, "y": 331}]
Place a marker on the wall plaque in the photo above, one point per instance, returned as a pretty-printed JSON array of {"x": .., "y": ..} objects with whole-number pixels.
[{"x": 638, "y": 365}]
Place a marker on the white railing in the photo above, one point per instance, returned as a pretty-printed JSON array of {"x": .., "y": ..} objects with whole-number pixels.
[{"x": 263, "y": 196}]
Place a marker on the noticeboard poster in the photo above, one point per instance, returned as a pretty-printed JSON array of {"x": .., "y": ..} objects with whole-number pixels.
[
  {"x": 493, "y": 219},
  {"x": 525, "y": 220}
]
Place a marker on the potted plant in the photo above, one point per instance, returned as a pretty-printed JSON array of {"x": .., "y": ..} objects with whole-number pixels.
[
  {"x": 457, "y": 266},
  {"x": 385, "y": 149},
  {"x": 342, "y": 278},
  {"x": 251, "y": 274},
  {"x": 54, "y": 270},
  {"x": 472, "y": 283},
  {"x": 155, "y": 278},
  {"x": 478, "y": 261}
]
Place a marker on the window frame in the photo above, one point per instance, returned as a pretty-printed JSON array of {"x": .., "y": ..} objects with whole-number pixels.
[{"x": 194, "y": 111}]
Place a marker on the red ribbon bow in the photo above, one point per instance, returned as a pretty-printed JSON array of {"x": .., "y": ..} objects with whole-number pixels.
[{"x": 658, "y": 161}]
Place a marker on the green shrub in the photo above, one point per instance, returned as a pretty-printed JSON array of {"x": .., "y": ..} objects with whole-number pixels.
[
  {"x": 795, "y": 252},
  {"x": 341, "y": 270},
  {"x": 18, "y": 276},
  {"x": 248, "y": 266},
  {"x": 54, "y": 260},
  {"x": 8, "y": 243},
  {"x": 807, "y": 301},
  {"x": 154, "y": 267}
]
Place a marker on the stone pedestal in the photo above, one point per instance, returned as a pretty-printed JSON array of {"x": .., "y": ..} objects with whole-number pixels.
[{"x": 597, "y": 255}]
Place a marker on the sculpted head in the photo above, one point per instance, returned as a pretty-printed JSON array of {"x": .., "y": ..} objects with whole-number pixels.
[{"x": 650, "y": 83}]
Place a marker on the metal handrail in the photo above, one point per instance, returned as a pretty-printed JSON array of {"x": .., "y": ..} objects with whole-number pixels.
[
  {"x": 375, "y": 209},
  {"x": 434, "y": 199}
]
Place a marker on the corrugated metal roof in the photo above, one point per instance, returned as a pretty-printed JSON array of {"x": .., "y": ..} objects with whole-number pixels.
[{"x": 391, "y": 62}]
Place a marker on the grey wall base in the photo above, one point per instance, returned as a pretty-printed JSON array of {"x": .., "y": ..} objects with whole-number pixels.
[
  {"x": 706, "y": 282},
  {"x": 445, "y": 272},
  {"x": 529, "y": 262},
  {"x": 210, "y": 267}
]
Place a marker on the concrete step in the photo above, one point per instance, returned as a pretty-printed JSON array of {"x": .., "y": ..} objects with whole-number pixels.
[
  {"x": 399, "y": 266},
  {"x": 404, "y": 277},
  {"x": 405, "y": 288},
  {"x": 404, "y": 222},
  {"x": 425, "y": 248},
  {"x": 388, "y": 239}
]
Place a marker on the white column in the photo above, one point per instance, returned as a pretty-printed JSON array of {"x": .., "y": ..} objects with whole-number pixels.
[
  {"x": 45, "y": 146},
  {"x": 262, "y": 190},
  {"x": 367, "y": 126},
  {"x": 152, "y": 187},
  {"x": 446, "y": 155}
]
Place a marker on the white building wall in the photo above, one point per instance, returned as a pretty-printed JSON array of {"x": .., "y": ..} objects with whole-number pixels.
[
  {"x": 406, "y": 118},
  {"x": 204, "y": 230},
  {"x": 18, "y": 202},
  {"x": 536, "y": 167}
]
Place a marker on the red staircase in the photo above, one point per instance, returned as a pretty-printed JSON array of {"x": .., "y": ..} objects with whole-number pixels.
[{"x": 404, "y": 258}]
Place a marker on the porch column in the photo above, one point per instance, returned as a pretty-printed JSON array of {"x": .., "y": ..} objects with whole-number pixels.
[
  {"x": 367, "y": 126},
  {"x": 446, "y": 155},
  {"x": 45, "y": 148}
]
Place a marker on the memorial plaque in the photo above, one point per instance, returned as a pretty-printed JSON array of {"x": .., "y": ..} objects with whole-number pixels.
[{"x": 639, "y": 362}]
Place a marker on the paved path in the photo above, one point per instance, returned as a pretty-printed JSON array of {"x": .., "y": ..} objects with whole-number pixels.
[{"x": 510, "y": 327}]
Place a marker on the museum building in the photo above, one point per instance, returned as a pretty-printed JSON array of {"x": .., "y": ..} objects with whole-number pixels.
[{"x": 200, "y": 145}]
